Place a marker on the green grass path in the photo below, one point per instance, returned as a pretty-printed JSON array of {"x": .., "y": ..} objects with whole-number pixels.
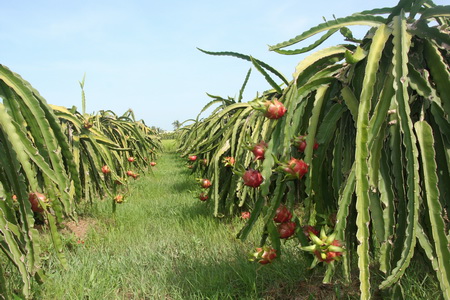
[{"x": 164, "y": 244}]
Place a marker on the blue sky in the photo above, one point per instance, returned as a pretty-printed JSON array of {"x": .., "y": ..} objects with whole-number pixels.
[{"x": 142, "y": 54}]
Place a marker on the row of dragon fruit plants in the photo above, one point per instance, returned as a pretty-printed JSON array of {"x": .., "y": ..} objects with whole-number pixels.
[
  {"x": 348, "y": 159},
  {"x": 52, "y": 159}
]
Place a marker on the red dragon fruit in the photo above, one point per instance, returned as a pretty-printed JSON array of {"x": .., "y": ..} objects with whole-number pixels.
[
  {"x": 325, "y": 248},
  {"x": 294, "y": 169},
  {"x": 264, "y": 255},
  {"x": 245, "y": 215},
  {"x": 229, "y": 161},
  {"x": 106, "y": 169},
  {"x": 34, "y": 200},
  {"x": 203, "y": 196},
  {"x": 259, "y": 150},
  {"x": 282, "y": 214},
  {"x": 286, "y": 229},
  {"x": 300, "y": 143},
  {"x": 330, "y": 255},
  {"x": 274, "y": 109},
  {"x": 252, "y": 178},
  {"x": 118, "y": 198},
  {"x": 205, "y": 183}
]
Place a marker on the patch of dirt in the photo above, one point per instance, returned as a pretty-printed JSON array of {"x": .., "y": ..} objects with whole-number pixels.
[
  {"x": 81, "y": 228},
  {"x": 314, "y": 289},
  {"x": 329, "y": 291}
]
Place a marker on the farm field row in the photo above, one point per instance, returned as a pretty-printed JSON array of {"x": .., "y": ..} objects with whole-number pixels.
[{"x": 163, "y": 243}]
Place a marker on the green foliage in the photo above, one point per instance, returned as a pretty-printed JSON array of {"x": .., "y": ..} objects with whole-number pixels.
[
  {"x": 33, "y": 157},
  {"x": 58, "y": 153},
  {"x": 381, "y": 121}
]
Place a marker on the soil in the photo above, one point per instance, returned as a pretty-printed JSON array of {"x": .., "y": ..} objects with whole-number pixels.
[{"x": 81, "y": 228}]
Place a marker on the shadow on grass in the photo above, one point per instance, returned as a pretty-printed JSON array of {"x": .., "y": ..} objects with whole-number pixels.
[
  {"x": 181, "y": 186},
  {"x": 198, "y": 210},
  {"x": 237, "y": 278}
]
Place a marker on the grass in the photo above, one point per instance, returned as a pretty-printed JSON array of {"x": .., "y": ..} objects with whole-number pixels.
[{"x": 163, "y": 243}]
